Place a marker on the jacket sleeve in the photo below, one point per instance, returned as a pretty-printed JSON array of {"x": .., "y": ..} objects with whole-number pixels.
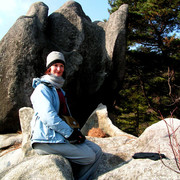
[{"x": 43, "y": 101}]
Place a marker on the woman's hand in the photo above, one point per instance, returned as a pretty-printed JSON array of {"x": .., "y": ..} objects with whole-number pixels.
[{"x": 76, "y": 137}]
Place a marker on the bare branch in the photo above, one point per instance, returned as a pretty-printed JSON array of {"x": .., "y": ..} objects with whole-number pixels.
[{"x": 173, "y": 143}]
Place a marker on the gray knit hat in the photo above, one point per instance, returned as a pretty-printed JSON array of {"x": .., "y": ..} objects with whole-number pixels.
[{"x": 54, "y": 57}]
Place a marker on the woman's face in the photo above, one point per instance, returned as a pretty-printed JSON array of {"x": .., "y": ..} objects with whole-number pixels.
[{"x": 57, "y": 69}]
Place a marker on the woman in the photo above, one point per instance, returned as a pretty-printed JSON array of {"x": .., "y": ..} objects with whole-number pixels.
[{"x": 52, "y": 135}]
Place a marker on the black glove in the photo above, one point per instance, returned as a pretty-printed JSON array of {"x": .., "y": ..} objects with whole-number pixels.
[{"x": 76, "y": 137}]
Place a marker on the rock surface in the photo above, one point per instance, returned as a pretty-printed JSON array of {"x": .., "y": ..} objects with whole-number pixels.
[
  {"x": 99, "y": 119},
  {"x": 7, "y": 140},
  {"x": 141, "y": 170},
  {"x": 94, "y": 52},
  {"x": 117, "y": 161},
  {"x": 41, "y": 167},
  {"x": 20, "y": 60}
]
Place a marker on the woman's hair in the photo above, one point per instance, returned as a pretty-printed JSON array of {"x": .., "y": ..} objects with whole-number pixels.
[{"x": 48, "y": 71}]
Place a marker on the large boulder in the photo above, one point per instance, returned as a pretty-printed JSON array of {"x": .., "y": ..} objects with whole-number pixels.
[
  {"x": 160, "y": 137},
  {"x": 94, "y": 52},
  {"x": 99, "y": 119},
  {"x": 49, "y": 167},
  {"x": 142, "y": 169},
  {"x": 20, "y": 59}
]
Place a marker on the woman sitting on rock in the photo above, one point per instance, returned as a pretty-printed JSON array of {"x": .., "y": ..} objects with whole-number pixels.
[{"x": 50, "y": 133}]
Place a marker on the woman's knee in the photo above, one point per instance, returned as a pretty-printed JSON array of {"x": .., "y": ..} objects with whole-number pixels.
[
  {"x": 91, "y": 158},
  {"x": 99, "y": 152},
  {"x": 94, "y": 156}
]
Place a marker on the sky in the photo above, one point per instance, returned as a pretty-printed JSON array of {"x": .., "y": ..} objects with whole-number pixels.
[{"x": 11, "y": 10}]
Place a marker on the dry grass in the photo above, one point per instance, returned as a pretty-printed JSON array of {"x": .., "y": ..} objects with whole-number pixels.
[{"x": 97, "y": 132}]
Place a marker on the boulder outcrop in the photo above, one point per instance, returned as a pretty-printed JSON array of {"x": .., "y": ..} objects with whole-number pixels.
[
  {"x": 94, "y": 52},
  {"x": 124, "y": 156},
  {"x": 20, "y": 59},
  {"x": 41, "y": 167},
  {"x": 99, "y": 119},
  {"x": 142, "y": 169}
]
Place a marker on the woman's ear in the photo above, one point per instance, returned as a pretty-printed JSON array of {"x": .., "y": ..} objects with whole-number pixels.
[{"x": 48, "y": 71}]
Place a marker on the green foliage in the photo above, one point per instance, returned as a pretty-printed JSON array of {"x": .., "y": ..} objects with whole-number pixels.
[
  {"x": 150, "y": 21},
  {"x": 151, "y": 84},
  {"x": 145, "y": 93}
]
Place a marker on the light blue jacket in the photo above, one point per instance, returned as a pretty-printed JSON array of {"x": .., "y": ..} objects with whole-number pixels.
[{"x": 46, "y": 125}]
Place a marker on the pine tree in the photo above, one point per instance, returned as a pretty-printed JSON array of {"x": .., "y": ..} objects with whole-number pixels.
[
  {"x": 152, "y": 81},
  {"x": 151, "y": 22}
]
